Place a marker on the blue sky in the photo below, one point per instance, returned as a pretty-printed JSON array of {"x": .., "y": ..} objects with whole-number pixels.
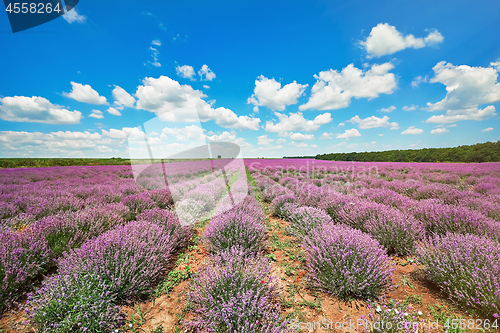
[{"x": 278, "y": 78}]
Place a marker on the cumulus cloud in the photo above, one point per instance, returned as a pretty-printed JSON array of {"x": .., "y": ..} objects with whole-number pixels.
[
  {"x": 334, "y": 90},
  {"x": 264, "y": 140},
  {"x": 36, "y": 109},
  {"x": 301, "y": 137},
  {"x": 114, "y": 111},
  {"x": 156, "y": 42},
  {"x": 389, "y": 109},
  {"x": 206, "y": 87},
  {"x": 413, "y": 130},
  {"x": 439, "y": 130},
  {"x": 96, "y": 114},
  {"x": 85, "y": 94},
  {"x": 72, "y": 16},
  {"x": 467, "y": 88},
  {"x": 487, "y": 129},
  {"x": 280, "y": 141},
  {"x": 186, "y": 72},
  {"x": 297, "y": 122},
  {"x": 122, "y": 98},
  {"x": 410, "y": 108},
  {"x": 188, "y": 133},
  {"x": 169, "y": 100},
  {"x": 386, "y": 39},
  {"x": 63, "y": 144},
  {"x": 350, "y": 133},
  {"x": 341, "y": 124},
  {"x": 269, "y": 93},
  {"x": 325, "y": 136},
  {"x": 373, "y": 122},
  {"x": 206, "y": 73}
]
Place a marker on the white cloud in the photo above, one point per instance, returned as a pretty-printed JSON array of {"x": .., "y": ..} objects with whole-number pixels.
[
  {"x": 36, "y": 109},
  {"x": 114, "y": 111},
  {"x": 412, "y": 130},
  {"x": 301, "y": 137},
  {"x": 468, "y": 114},
  {"x": 122, "y": 98},
  {"x": 154, "y": 53},
  {"x": 496, "y": 65},
  {"x": 169, "y": 99},
  {"x": 280, "y": 141},
  {"x": 302, "y": 145},
  {"x": 206, "y": 87},
  {"x": 341, "y": 124},
  {"x": 264, "y": 140},
  {"x": 96, "y": 114},
  {"x": 440, "y": 130},
  {"x": 186, "y": 72},
  {"x": 325, "y": 136},
  {"x": 380, "y": 135},
  {"x": 410, "y": 108},
  {"x": 350, "y": 133},
  {"x": 269, "y": 93},
  {"x": 487, "y": 129},
  {"x": 297, "y": 122},
  {"x": 419, "y": 79},
  {"x": 85, "y": 94},
  {"x": 73, "y": 17},
  {"x": 189, "y": 133},
  {"x": 207, "y": 73},
  {"x": 389, "y": 109},
  {"x": 467, "y": 88},
  {"x": 386, "y": 39},
  {"x": 373, "y": 122},
  {"x": 334, "y": 90}
]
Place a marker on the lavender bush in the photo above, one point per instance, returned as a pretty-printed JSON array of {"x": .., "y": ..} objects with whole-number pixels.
[
  {"x": 283, "y": 205},
  {"x": 273, "y": 191},
  {"x": 74, "y": 303},
  {"x": 235, "y": 228},
  {"x": 171, "y": 224},
  {"x": 467, "y": 268},
  {"x": 24, "y": 256},
  {"x": 130, "y": 257},
  {"x": 236, "y": 294},
  {"x": 346, "y": 262},
  {"x": 67, "y": 231},
  {"x": 440, "y": 219},
  {"x": 304, "y": 219},
  {"x": 137, "y": 203},
  {"x": 397, "y": 232}
]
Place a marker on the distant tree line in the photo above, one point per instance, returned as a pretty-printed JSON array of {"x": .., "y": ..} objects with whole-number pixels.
[{"x": 481, "y": 152}]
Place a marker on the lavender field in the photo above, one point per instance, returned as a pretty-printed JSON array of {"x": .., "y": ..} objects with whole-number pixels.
[{"x": 264, "y": 246}]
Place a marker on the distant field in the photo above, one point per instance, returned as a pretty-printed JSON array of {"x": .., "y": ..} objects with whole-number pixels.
[{"x": 6, "y": 163}]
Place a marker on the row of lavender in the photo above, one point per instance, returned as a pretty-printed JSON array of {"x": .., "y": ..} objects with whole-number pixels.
[
  {"x": 235, "y": 291},
  {"x": 354, "y": 223},
  {"x": 102, "y": 237}
]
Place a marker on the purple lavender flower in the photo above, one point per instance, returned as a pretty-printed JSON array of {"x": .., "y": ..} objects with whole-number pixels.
[
  {"x": 346, "y": 262},
  {"x": 236, "y": 293},
  {"x": 465, "y": 267},
  {"x": 304, "y": 219},
  {"x": 131, "y": 257},
  {"x": 283, "y": 205}
]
